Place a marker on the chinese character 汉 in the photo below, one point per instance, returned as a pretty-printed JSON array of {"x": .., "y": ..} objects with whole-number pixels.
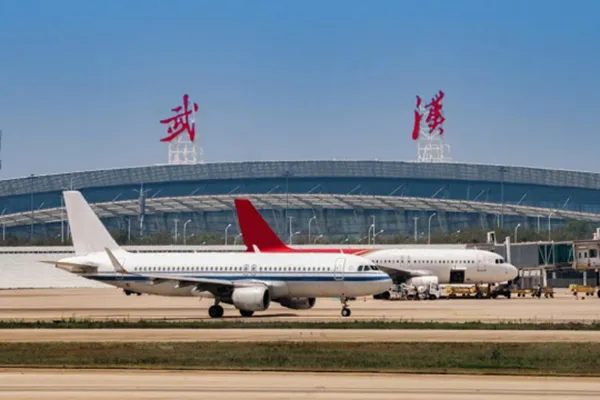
[
  {"x": 181, "y": 121},
  {"x": 434, "y": 119}
]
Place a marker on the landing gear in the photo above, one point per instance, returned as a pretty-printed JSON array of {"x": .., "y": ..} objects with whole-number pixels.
[
  {"x": 246, "y": 313},
  {"x": 215, "y": 311},
  {"x": 345, "y": 309}
]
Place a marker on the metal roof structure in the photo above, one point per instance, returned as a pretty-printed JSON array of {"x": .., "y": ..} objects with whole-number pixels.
[
  {"x": 453, "y": 171},
  {"x": 211, "y": 203}
]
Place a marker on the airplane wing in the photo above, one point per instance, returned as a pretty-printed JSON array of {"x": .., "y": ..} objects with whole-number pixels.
[{"x": 404, "y": 273}]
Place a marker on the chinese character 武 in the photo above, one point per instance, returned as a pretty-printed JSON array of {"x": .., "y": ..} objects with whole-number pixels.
[{"x": 181, "y": 122}]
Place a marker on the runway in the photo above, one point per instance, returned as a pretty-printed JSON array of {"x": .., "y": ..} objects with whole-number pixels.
[
  {"x": 292, "y": 335},
  {"x": 181, "y": 385},
  {"x": 102, "y": 304}
]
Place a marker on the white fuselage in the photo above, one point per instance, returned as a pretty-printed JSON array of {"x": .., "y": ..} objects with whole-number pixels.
[
  {"x": 479, "y": 266},
  {"x": 286, "y": 275}
]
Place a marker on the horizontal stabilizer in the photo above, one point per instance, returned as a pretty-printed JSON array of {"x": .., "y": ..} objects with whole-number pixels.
[{"x": 72, "y": 267}]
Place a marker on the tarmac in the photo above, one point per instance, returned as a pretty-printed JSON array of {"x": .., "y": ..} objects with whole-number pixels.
[
  {"x": 293, "y": 335},
  {"x": 103, "y": 304},
  {"x": 182, "y": 385}
]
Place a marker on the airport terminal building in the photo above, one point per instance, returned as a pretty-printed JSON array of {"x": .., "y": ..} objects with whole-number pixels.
[{"x": 328, "y": 198}]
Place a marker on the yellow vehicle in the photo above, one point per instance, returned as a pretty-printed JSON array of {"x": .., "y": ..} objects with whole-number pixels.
[
  {"x": 588, "y": 290},
  {"x": 547, "y": 292}
]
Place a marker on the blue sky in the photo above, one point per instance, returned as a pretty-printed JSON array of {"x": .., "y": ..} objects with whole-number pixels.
[{"x": 84, "y": 84}]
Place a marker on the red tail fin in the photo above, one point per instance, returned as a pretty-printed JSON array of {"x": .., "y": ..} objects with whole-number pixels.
[{"x": 255, "y": 230}]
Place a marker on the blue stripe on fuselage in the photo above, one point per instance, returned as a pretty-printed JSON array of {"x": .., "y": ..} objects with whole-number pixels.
[{"x": 312, "y": 278}]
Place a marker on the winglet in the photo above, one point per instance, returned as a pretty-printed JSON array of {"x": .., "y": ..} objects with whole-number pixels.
[{"x": 115, "y": 263}]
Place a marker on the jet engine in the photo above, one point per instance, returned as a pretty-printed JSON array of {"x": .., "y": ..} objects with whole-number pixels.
[
  {"x": 298, "y": 303},
  {"x": 255, "y": 298}
]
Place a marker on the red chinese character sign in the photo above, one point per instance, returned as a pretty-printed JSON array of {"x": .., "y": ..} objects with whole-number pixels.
[
  {"x": 180, "y": 123},
  {"x": 181, "y": 133},
  {"x": 428, "y": 130}
]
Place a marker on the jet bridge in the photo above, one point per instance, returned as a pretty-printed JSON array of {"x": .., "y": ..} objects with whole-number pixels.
[{"x": 586, "y": 257}]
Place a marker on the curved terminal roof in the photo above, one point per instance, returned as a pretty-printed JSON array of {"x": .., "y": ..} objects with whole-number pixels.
[
  {"x": 298, "y": 169},
  {"x": 210, "y": 203}
]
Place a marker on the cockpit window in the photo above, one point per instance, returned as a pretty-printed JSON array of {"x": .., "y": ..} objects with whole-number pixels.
[
  {"x": 360, "y": 268},
  {"x": 374, "y": 268}
]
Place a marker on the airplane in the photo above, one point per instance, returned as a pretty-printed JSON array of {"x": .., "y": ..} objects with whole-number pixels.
[
  {"x": 414, "y": 266},
  {"x": 248, "y": 281}
]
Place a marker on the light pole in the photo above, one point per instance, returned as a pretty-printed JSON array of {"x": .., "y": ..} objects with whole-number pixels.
[
  {"x": 372, "y": 227},
  {"x": 416, "y": 219},
  {"x": 376, "y": 234},
  {"x": 176, "y": 232},
  {"x": 129, "y": 229},
  {"x": 291, "y": 232},
  {"x": 184, "y": 231},
  {"x": 309, "y": 222},
  {"x": 550, "y": 225},
  {"x": 226, "y": 229},
  {"x": 539, "y": 224},
  {"x": 318, "y": 237},
  {"x": 516, "y": 231},
  {"x": 292, "y": 235},
  {"x": 236, "y": 239},
  {"x": 429, "y": 228}
]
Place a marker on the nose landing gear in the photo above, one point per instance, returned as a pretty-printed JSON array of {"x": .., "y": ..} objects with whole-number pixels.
[{"x": 345, "y": 309}]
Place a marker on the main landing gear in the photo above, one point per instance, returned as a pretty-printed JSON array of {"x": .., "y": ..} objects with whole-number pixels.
[
  {"x": 215, "y": 311},
  {"x": 246, "y": 313},
  {"x": 345, "y": 309}
]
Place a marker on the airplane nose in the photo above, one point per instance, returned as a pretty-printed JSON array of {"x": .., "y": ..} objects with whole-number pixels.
[{"x": 511, "y": 271}]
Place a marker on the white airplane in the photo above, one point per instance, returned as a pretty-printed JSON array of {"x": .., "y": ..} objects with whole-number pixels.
[
  {"x": 419, "y": 267},
  {"x": 248, "y": 281},
  {"x": 414, "y": 266}
]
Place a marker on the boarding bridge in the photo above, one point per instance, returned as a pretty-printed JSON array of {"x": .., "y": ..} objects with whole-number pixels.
[
  {"x": 540, "y": 263},
  {"x": 587, "y": 258}
]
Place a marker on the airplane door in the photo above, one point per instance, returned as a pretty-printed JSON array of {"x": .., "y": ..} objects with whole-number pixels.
[
  {"x": 338, "y": 269},
  {"x": 480, "y": 262}
]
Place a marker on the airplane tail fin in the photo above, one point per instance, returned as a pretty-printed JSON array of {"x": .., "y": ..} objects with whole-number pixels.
[
  {"x": 255, "y": 230},
  {"x": 88, "y": 232}
]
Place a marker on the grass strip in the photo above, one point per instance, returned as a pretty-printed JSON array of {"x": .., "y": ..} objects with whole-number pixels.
[
  {"x": 250, "y": 324},
  {"x": 565, "y": 359}
]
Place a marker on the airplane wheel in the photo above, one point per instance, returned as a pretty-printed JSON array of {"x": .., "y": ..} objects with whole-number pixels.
[
  {"x": 346, "y": 312},
  {"x": 139, "y": 294},
  {"x": 246, "y": 313},
  {"x": 215, "y": 311}
]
